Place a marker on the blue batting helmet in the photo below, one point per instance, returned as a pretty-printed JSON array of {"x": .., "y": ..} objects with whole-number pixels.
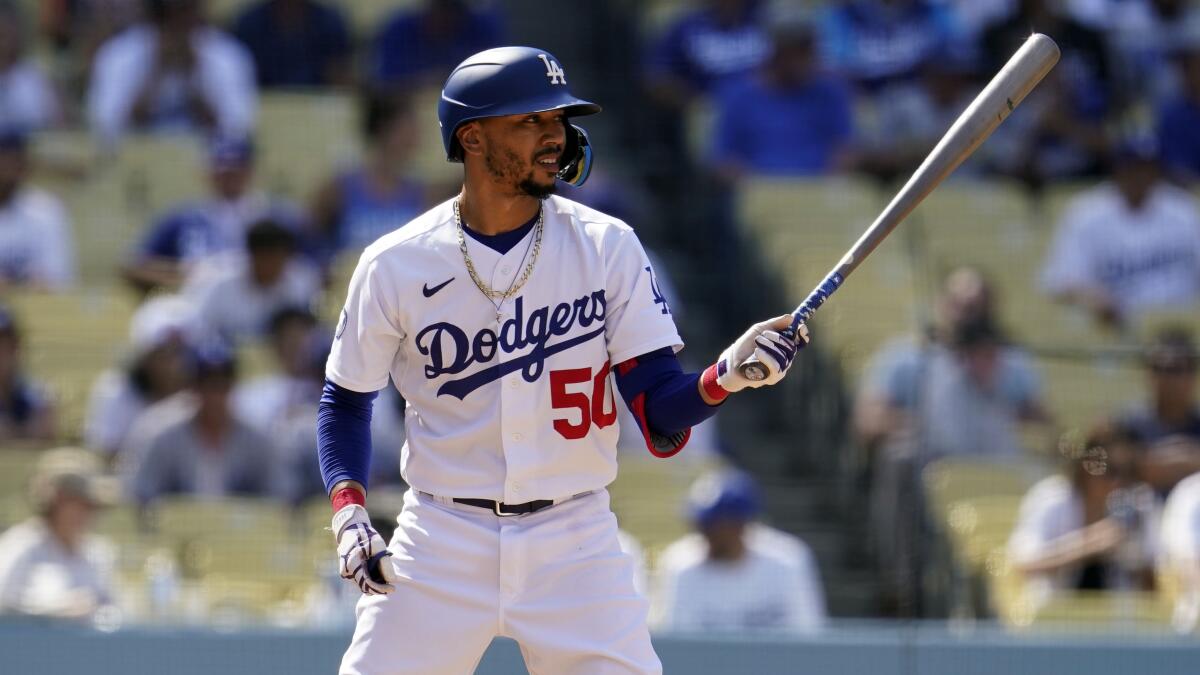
[
  {"x": 511, "y": 81},
  {"x": 723, "y": 495}
]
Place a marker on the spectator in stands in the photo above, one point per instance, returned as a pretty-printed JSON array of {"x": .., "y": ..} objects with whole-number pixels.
[
  {"x": 297, "y": 43},
  {"x": 876, "y": 43},
  {"x": 736, "y": 574},
  {"x": 957, "y": 391},
  {"x": 1058, "y": 132},
  {"x": 363, "y": 203},
  {"x": 705, "y": 48},
  {"x": 1142, "y": 36},
  {"x": 897, "y": 131},
  {"x": 215, "y": 225},
  {"x": 172, "y": 73},
  {"x": 1166, "y": 428},
  {"x": 1129, "y": 245},
  {"x": 421, "y": 46},
  {"x": 195, "y": 444},
  {"x": 283, "y": 406},
  {"x": 1091, "y": 528},
  {"x": 1179, "y": 547},
  {"x": 158, "y": 367},
  {"x": 28, "y": 101},
  {"x": 787, "y": 119},
  {"x": 1179, "y": 117},
  {"x": 236, "y": 295},
  {"x": 26, "y": 412},
  {"x": 961, "y": 389},
  {"x": 52, "y": 565},
  {"x": 36, "y": 249}
]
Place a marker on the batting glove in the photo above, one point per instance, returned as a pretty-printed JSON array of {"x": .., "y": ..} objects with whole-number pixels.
[
  {"x": 763, "y": 342},
  {"x": 360, "y": 548}
]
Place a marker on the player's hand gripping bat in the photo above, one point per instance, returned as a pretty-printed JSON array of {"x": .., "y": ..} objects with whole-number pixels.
[{"x": 1008, "y": 88}]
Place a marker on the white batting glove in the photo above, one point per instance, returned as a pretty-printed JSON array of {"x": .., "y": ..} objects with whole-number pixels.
[
  {"x": 359, "y": 547},
  {"x": 764, "y": 342}
]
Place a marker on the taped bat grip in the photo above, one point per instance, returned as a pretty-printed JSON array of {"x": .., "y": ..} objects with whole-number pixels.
[{"x": 753, "y": 369}]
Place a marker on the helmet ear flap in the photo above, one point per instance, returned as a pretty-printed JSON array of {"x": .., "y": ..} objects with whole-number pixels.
[{"x": 576, "y": 162}]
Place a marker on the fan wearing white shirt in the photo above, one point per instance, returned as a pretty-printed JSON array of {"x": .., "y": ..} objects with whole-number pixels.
[
  {"x": 735, "y": 574},
  {"x": 52, "y": 565},
  {"x": 1129, "y": 245},
  {"x": 172, "y": 73},
  {"x": 236, "y": 295},
  {"x": 36, "y": 250},
  {"x": 27, "y": 98},
  {"x": 1092, "y": 528}
]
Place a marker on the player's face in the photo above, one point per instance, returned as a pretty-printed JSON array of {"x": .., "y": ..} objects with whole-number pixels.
[{"x": 522, "y": 151}]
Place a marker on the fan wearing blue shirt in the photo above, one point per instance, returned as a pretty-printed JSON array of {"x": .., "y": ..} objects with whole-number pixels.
[
  {"x": 788, "y": 119},
  {"x": 296, "y": 43},
  {"x": 1179, "y": 119},
  {"x": 425, "y": 44}
]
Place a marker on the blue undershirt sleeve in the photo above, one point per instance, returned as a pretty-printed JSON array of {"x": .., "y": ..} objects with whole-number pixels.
[
  {"x": 671, "y": 401},
  {"x": 344, "y": 435}
]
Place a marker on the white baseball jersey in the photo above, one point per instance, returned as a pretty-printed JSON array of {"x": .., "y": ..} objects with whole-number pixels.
[
  {"x": 512, "y": 403},
  {"x": 1144, "y": 259}
]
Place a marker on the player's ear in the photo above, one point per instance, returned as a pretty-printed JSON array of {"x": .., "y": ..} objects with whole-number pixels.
[{"x": 470, "y": 137}]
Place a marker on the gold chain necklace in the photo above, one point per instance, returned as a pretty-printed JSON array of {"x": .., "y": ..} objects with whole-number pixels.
[{"x": 490, "y": 293}]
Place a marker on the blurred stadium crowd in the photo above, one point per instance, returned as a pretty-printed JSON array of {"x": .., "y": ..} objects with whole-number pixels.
[{"x": 184, "y": 186}]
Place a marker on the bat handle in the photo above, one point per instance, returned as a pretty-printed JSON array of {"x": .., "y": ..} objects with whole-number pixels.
[
  {"x": 378, "y": 568},
  {"x": 756, "y": 371}
]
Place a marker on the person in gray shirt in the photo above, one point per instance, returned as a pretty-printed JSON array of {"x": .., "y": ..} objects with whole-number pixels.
[{"x": 194, "y": 443}]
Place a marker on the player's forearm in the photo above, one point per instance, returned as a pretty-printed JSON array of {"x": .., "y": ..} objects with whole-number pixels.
[{"x": 344, "y": 437}]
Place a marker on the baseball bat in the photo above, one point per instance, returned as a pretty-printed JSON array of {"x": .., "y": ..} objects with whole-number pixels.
[{"x": 992, "y": 106}]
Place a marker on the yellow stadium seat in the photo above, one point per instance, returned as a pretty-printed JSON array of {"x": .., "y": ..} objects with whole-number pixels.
[
  {"x": 16, "y": 467},
  {"x": 1092, "y": 610},
  {"x": 186, "y": 517},
  {"x": 952, "y": 480},
  {"x": 803, "y": 228},
  {"x": 70, "y": 338},
  {"x": 302, "y": 139},
  {"x": 649, "y": 498}
]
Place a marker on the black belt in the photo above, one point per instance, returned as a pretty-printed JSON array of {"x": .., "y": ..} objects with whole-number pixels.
[{"x": 506, "y": 509}]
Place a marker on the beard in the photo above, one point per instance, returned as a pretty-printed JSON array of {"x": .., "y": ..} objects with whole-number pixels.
[{"x": 506, "y": 167}]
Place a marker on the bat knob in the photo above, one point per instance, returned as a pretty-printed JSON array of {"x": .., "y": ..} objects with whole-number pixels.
[{"x": 753, "y": 371}]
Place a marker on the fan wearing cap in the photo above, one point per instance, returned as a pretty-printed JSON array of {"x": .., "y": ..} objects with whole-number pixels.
[
  {"x": 1167, "y": 427},
  {"x": 1129, "y": 245},
  {"x": 735, "y": 574},
  {"x": 171, "y": 73},
  {"x": 156, "y": 367},
  {"x": 195, "y": 444},
  {"x": 36, "y": 246},
  {"x": 216, "y": 225},
  {"x": 51, "y": 564}
]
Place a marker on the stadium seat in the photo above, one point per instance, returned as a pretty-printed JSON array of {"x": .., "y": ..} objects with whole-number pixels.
[
  {"x": 70, "y": 338},
  {"x": 1092, "y": 610},
  {"x": 951, "y": 480},
  {"x": 803, "y": 228},
  {"x": 302, "y": 138},
  {"x": 649, "y": 498}
]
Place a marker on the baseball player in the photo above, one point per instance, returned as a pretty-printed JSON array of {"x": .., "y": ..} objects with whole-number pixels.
[{"x": 500, "y": 315}]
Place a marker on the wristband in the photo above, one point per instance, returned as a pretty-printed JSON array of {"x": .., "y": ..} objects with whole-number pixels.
[
  {"x": 708, "y": 382},
  {"x": 347, "y": 496}
]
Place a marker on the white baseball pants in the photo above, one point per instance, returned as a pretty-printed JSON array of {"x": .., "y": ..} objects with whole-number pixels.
[{"x": 556, "y": 581}]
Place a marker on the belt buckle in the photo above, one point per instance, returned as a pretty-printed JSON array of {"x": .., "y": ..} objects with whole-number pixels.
[{"x": 496, "y": 509}]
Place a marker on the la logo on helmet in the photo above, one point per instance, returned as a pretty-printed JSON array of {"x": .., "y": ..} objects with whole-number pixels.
[{"x": 556, "y": 74}]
